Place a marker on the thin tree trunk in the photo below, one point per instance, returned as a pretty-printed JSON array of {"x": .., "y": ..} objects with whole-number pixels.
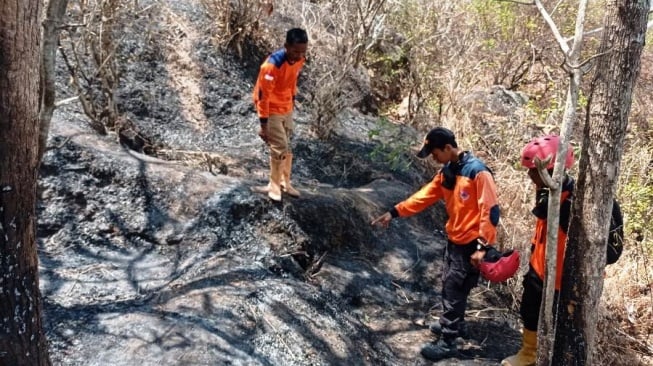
[
  {"x": 603, "y": 140},
  {"x": 54, "y": 14},
  {"x": 546, "y": 324},
  {"x": 547, "y": 327},
  {"x": 22, "y": 341}
]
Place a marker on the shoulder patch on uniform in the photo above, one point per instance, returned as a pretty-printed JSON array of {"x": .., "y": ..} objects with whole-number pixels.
[
  {"x": 473, "y": 167},
  {"x": 278, "y": 57}
]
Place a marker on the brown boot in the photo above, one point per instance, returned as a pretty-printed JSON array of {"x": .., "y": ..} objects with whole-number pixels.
[
  {"x": 527, "y": 355},
  {"x": 261, "y": 189},
  {"x": 286, "y": 165},
  {"x": 274, "y": 187}
]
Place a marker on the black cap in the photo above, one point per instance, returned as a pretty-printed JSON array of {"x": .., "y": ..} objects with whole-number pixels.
[{"x": 437, "y": 138}]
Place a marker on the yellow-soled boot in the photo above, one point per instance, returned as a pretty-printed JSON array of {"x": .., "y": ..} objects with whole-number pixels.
[
  {"x": 286, "y": 169},
  {"x": 274, "y": 187},
  {"x": 527, "y": 355}
]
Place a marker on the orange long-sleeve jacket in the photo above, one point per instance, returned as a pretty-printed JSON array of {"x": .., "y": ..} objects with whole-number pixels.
[
  {"x": 276, "y": 85},
  {"x": 538, "y": 249},
  {"x": 469, "y": 193}
]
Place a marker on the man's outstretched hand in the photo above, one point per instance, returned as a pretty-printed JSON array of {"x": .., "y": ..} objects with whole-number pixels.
[{"x": 383, "y": 220}]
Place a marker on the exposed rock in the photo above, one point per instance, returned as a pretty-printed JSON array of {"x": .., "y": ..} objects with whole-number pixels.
[{"x": 497, "y": 101}]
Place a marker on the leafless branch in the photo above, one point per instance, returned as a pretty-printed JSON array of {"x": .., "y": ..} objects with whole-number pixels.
[
  {"x": 518, "y": 2},
  {"x": 544, "y": 173},
  {"x": 582, "y": 64},
  {"x": 554, "y": 28},
  {"x": 65, "y": 101},
  {"x": 108, "y": 58},
  {"x": 578, "y": 32},
  {"x": 599, "y": 30},
  {"x": 588, "y": 33},
  {"x": 71, "y": 26},
  {"x": 556, "y": 7}
]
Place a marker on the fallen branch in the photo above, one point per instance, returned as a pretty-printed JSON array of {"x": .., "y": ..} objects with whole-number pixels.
[{"x": 66, "y": 101}]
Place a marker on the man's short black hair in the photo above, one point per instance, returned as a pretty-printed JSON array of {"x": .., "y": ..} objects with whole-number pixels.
[{"x": 296, "y": 36}]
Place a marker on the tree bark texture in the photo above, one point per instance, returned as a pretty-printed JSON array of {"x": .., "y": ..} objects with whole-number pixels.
[
  {"x": 603, "y": 141},
  {"x": 22, "y": 341}
]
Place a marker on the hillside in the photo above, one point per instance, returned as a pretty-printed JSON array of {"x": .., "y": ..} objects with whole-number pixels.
[{"x": 154, "y": 251}]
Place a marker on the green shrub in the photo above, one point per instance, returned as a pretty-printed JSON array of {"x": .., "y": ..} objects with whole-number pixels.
[{"x": 391, "y": 148}]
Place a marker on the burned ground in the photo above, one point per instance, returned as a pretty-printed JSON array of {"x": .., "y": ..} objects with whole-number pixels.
[{"x": 171, "y": 260}]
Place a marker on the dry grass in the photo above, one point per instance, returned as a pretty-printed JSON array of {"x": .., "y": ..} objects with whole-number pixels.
[
  {"x": 237, "y": 21},
  {"x": 625, "y": 329},
  {"x": 626, "y": 324},
  {"x": 626, "y": 320}
]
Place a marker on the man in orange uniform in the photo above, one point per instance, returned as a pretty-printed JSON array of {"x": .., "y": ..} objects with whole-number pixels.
[
  {"x": 541, "y": 148},
  {"x": 467, "y": 187},
  {"x": 274, "y": 96}
]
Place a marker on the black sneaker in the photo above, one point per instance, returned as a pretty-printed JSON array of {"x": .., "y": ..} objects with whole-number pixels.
[
  {"x": 436, "y": 328},
  {"x": 439, "y": 350}
]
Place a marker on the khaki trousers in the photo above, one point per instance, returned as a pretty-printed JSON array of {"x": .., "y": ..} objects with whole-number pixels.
[{"x": 280, "y": 130}]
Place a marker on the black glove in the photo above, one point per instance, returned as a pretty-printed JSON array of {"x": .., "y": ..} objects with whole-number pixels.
[
  {"x": 541, "y": 203},
  {"x": 492, "y": 255}
]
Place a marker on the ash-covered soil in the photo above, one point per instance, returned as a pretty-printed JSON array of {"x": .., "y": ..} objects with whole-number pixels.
[{"x": 172, "y": 260}]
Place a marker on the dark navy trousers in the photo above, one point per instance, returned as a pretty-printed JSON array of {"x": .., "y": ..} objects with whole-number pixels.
[{"x": 458, "y": 279}]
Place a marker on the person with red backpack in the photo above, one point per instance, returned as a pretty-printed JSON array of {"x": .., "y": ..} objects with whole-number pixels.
[
  {"x": 467, "y": 187},
  {"x": 541, "y": 148}
]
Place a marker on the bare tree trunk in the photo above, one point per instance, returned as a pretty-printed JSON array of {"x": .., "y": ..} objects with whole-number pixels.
[
  {"x": 54, "y": 14},
  {"x": 105, "y": 59},
  {"x": 605, "y": 128},
  {"x": 22, "y": 341},
  {"x": 546, "y": 324}
]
